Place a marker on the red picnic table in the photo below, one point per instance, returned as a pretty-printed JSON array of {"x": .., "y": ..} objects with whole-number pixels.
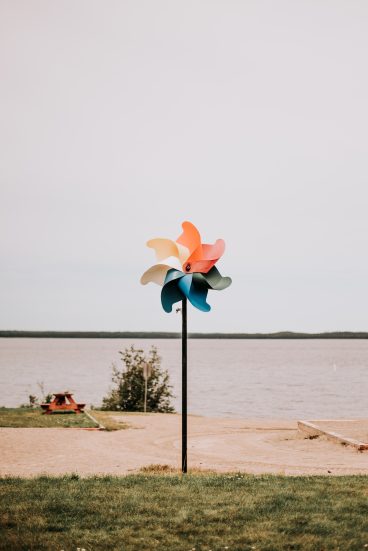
[{"x": 62, "y": 402}]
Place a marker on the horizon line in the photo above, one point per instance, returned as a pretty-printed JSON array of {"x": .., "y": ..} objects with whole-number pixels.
[{"x": 15, "y": 333}]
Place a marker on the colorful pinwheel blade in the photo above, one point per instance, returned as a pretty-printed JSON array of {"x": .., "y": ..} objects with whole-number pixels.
[
  {"x": 155, "y": 274},
  {"x": 190, "y": 238},
  {"x": 178, "y": 286},
  {"x": 171, "y": 292},
  {"x": 166, "y": 248},
  {"x": 201, "y": 257},
  {"x": 195, "y": 291},
  {"x": 215, "y": 280}
]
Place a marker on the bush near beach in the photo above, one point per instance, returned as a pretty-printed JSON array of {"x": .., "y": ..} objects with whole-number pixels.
[
  {"x": 204, "y": 512},
  {"x": 129, "y": 391}
]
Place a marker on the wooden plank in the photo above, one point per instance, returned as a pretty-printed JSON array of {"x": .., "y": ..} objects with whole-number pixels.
[{"x": 100, "y": 425}]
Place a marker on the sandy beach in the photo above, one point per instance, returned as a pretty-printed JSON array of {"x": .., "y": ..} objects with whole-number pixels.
[{"x": 221, "y": 445}]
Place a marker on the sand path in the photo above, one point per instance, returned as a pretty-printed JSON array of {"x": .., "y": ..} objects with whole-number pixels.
[{"x": 218, "y": 444}]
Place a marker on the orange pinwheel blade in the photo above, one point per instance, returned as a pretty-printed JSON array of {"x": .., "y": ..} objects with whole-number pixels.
[
  {"x": 206, "y": 259},
  {"x": 190, "y": 238}
]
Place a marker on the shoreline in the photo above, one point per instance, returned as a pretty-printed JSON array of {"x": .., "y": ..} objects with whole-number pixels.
[{"x": 279, "y": 335}]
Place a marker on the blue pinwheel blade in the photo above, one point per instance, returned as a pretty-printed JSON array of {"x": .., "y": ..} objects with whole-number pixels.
[
  {"x": 170, "y": 292},
  {"x": 195, "y": 291},
  {"x": 194, "y": 287}
]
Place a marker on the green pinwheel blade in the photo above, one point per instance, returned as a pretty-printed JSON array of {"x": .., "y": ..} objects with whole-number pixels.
[{"x": 215, "y": 280}]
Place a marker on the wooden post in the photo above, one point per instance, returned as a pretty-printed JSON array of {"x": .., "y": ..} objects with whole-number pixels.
[
  {"x": 147, "y": 370},
  {"x": 145, "y": 395},
  {"x": 184, "y": 426}
]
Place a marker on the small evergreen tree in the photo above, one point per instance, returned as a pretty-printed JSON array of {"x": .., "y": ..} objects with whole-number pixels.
[{"x": 128, "y": 394}]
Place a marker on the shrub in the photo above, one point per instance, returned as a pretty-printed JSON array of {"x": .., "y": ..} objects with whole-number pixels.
[
  {"x": 128, "y": 394},
  {"x": 32, "y": 404}
]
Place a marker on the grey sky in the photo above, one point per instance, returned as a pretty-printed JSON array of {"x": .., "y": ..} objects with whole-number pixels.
[{"x": 120, "y": 119}]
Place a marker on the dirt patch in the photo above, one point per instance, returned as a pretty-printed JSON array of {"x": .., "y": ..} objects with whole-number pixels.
[{"x": 220, "y": 445}]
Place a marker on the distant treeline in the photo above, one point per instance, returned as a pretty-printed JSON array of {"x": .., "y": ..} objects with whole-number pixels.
[{"x": 165, "y": 335}]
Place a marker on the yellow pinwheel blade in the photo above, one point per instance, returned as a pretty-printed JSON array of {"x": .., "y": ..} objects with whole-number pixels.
[
  {"x": 155, "y": 274},
  {"x": 164, "y": 248}
]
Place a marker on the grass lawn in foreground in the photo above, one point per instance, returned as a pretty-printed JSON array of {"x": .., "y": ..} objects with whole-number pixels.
[{"x": 148, "y": 512}]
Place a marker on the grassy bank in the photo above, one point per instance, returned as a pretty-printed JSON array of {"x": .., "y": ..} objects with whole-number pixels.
[
  {"x": 171, "y": 513},
  {"x": 33, "y": 418}
]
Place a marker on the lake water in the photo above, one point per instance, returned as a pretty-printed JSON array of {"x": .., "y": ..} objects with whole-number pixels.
[{"x": 291, "y": 379}]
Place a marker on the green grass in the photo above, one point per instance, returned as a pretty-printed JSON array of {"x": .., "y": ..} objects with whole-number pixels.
[
  {"x": 32, "y": 418},
  {"x": 174, "y": 513},
  {"x": 111, "y": 420}
]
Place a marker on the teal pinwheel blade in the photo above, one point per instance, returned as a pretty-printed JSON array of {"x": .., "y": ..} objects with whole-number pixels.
[
  {"x": 171, "y": 293},
  {"x": 195, "y": 290},
  {"x": 178, "y": 286}
]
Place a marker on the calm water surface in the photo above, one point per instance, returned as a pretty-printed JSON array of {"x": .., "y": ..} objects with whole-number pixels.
[{"x": 245, "y": 378}]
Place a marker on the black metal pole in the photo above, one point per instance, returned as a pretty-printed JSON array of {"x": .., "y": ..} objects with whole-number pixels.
[{"x": 184, "y": 425}]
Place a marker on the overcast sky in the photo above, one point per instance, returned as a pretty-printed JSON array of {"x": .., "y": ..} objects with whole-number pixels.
[{"x": 120, "y": 119}]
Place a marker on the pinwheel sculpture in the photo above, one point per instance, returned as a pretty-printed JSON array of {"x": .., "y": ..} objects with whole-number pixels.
[{"x": 186, "y": 271}]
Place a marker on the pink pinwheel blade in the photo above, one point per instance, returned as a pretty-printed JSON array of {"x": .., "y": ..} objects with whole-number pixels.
[{"x": 204, "y": 260}]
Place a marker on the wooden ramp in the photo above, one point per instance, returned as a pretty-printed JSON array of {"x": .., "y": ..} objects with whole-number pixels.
[{"x": 351, "y": 432}]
